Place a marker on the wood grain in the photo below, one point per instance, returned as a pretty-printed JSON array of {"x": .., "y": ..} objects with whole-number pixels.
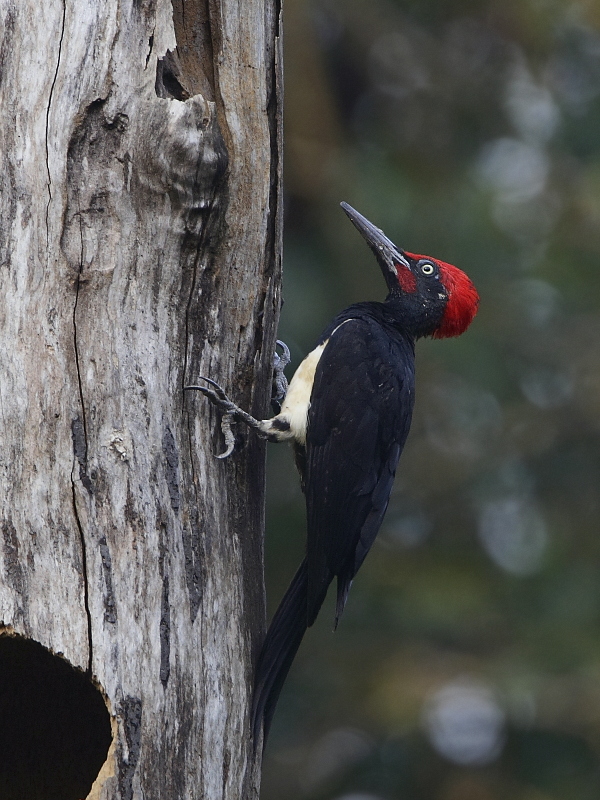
[{"x": 140, "y": 241}]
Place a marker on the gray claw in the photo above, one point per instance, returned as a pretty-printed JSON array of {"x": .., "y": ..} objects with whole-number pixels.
[
  {"x": 284, "y": 358},
  {"x": 280, "y": 384},
  {"x": 230, "y": 412},
  {"x": 226, "y": 423},
  {"x": 218, "y": 398}
]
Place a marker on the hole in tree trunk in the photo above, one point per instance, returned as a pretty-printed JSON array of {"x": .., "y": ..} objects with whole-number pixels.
[{"x": 54, "y": 725}]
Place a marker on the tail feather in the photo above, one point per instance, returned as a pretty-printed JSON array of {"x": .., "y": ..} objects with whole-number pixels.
[
  {"x": 343, "y": 588},
  {"x": 278, "y": 651}
]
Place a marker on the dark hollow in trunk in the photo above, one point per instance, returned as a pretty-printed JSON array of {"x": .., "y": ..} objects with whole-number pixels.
[{"x": 54, "y": 725}]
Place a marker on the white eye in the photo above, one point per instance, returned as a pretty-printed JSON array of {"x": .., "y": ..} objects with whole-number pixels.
[{"x": 427, "y": 269}]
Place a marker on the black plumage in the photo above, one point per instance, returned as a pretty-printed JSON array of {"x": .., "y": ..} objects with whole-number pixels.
[
  {"x": 360, "y": 412},
  {"x": 359, "y": 417}
]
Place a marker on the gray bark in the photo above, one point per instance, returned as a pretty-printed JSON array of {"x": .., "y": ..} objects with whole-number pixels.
[{"x": 139, "y": 248}]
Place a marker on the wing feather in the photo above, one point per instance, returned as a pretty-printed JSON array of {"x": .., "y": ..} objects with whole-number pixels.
[{"x": 359, "y": 416}]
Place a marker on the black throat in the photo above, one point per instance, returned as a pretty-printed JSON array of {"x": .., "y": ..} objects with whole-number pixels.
[{"x": 412, "y": 314}]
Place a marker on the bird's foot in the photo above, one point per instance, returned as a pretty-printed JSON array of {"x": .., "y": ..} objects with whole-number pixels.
[
  {"x": 230, "y": 412},
  {"x": 280, "y": 384}
]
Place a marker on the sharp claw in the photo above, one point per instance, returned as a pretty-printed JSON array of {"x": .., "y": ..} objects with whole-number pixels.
[
  {"x": 218, "y": 391},
  {"x": 218, "y": 397},
  {"x": 226, "y": 453},
  {"x": 228, "y": 434},
  {"x": 230, "y": 413},
  {"x": 282, "y": 360},
  {"x": 280, "y": 384}
]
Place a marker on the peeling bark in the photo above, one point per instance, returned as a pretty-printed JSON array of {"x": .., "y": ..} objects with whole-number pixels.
[{"x": 140, "y": 238}]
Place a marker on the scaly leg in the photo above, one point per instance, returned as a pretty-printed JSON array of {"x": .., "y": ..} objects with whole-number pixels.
[{"x": 231, "y": 412}]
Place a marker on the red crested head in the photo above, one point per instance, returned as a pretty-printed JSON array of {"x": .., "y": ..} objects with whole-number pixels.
[
  {"x": 428, "y": 297},
  {"x": 463, "y": 298}
]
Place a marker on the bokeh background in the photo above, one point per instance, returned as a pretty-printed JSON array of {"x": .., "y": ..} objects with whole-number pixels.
[{"x": 467, "y": 663}]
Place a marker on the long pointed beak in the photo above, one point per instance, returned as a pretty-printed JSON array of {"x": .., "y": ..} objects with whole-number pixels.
[{"x": 386, "y": 252}]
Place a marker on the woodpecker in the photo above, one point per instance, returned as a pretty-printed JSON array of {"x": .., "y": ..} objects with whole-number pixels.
[{"x": 347, "y": 412}]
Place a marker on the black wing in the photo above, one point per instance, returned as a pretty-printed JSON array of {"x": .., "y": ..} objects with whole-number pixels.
[
  {"x": 361, "y": 407},
  {"x": 359, "y": 417}
]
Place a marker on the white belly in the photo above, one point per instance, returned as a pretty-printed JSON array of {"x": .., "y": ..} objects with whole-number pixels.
[
  {"x": 292, "y": 420},
  {"x": 294, "y": 411},
  {"x": 297, "y": 400}
]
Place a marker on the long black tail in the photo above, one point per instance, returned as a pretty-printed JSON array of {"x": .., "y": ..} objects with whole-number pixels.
[{"x": 281, "y": 644}]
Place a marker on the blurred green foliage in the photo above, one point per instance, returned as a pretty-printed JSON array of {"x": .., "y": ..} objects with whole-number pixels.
[{"x": 467, "y": 664}]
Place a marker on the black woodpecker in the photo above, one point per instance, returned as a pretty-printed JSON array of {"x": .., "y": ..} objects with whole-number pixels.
[{"x": 347, "y": 412}]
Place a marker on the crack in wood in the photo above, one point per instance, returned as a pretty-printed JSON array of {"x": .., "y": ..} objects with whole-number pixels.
[
  {"x": 84, "y": 570},
  {"x": 273, "y": 241},
  {"x": 79, "y": 434},
  {"x": 150, "y": 48},
  {"x": 62, "y": 33}
]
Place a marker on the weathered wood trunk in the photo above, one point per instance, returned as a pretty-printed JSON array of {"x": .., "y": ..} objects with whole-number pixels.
[{"x": 139, "y": 249}]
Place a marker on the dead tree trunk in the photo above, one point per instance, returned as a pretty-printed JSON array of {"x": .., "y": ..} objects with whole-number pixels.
[{"x": 139, "y": 249}]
